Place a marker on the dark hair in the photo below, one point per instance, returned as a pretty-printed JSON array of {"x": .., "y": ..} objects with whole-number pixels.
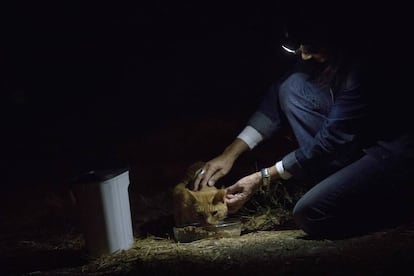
[
  {"x": 334, "y": 30},
  {"x": 329, "y": 35}
]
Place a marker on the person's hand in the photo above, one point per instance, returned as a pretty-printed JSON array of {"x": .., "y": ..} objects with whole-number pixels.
[
  {"x": 212, "y": 171},
  {"x": 240, "y": 192},
  {"x": 218, "y": 167}
]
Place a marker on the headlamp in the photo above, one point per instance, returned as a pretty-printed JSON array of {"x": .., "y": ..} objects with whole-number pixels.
[
  {"x": 289, "y": 44},
  {"x": 289, "y": 49}
]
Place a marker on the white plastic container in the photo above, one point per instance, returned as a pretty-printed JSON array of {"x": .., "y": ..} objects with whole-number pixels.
[{"x": 103, "y": 202}]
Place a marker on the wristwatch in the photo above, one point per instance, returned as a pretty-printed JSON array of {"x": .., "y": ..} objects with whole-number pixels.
[{"x": 265, "y": 177}]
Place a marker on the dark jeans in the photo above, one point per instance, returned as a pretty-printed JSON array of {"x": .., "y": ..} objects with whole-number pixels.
[
  {"x": 367, "y": 195},
  {"x": 370, "y": 193}
]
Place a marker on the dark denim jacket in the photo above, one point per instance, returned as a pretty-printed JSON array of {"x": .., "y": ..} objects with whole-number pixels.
[{"x": 347, "y": 132}]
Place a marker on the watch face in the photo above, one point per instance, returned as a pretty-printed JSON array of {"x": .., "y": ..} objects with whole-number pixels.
[{"x": 265, "y": 173}]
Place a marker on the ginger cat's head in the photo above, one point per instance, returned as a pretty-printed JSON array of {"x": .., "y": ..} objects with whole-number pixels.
[{"x": 207, "y": 206}]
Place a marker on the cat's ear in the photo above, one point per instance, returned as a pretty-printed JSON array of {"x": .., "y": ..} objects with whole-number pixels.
[
  {"x": 191, "y": 195},
  {"x": 219, "y": 196}
]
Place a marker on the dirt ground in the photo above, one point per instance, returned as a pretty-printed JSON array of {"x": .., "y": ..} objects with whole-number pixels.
[
  {"x": 41, "y": 242},
  {"x": 40, "y": 232}
]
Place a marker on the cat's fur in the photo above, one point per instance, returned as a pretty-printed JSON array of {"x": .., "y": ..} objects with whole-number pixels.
[{"x": 206, "y": 206}]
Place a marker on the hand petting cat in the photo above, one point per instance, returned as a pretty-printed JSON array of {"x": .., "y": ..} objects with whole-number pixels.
[
  {"x": 212, "y": 171},
  {"x": 219, "y": 166},
  {"x": 240, "y": 192}
]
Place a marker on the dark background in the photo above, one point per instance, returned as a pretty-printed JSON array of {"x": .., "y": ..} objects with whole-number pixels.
[
  {"x": 79, "y": 80},
  {"x": 155, "y": 86}
]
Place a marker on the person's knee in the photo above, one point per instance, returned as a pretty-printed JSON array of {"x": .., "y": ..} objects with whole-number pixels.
[
  {"x": 301, "y": 219},
  {"x": 290, "y": 89},
  {"x": 311, "y": 220},
  {"x": 320, "y": 225}
]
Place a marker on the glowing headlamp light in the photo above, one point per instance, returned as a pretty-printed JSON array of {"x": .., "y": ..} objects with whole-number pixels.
[
  {"x": 289, "y": 49},
  {"x": 289, "y": 43}
]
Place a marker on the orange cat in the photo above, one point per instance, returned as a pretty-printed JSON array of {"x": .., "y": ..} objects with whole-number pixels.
[{"x": 206, "y": 206}]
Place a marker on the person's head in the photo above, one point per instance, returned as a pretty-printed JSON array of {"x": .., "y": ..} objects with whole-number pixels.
[
  {"x": 317, "y": 36},
  {"x": 322, "y": 39},
  {"x": 307, "y": 52}
]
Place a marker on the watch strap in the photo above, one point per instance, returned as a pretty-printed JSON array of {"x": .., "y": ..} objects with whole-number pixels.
[{"x": 265, "y": 177}]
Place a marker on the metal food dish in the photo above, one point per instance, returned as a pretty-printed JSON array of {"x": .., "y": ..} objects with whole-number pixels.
[{"x": 224, "y": 229}]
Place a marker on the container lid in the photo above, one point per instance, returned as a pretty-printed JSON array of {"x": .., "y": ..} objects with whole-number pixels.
[{"x": 99, "y": 175}]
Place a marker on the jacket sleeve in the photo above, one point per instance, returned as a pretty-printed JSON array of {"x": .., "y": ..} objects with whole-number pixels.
[
  {"x": 268, "y": 118},
  {"x": 340, "y": 138}
]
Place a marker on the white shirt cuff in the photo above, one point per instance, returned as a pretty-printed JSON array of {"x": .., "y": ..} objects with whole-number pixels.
[
  {"x": 250, "y": 136},
  {"x": 281, "y": 170}
]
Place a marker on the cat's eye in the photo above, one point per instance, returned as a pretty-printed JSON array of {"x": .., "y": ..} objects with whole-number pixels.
[{"x": 214, "y": 213}]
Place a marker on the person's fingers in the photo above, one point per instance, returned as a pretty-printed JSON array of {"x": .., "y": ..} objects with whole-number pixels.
[
  {"x": 231, "y": 199},
  {"x": 207, "y": 176},
  {"x": 208, "y": 172},
  {"x": 233, "y": 189},
  {"x": 205, "y": 179},
  {"x": 196, "y": 183},
  {"x": 215, "y": 177},
  {"x": 230, "y": 202},
  {"x": 234, "y": 204},
  {"x": 200, "y": 174}
]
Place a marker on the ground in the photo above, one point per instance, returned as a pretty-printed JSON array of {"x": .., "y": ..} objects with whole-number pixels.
[{"x": 40, "y": 232}]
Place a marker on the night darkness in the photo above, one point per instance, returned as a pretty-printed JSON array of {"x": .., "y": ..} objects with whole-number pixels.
[
  {"x": 90, "y": 86},
  {"x": 81, "y": 75},
  {"x": 80, "y": 79}
]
